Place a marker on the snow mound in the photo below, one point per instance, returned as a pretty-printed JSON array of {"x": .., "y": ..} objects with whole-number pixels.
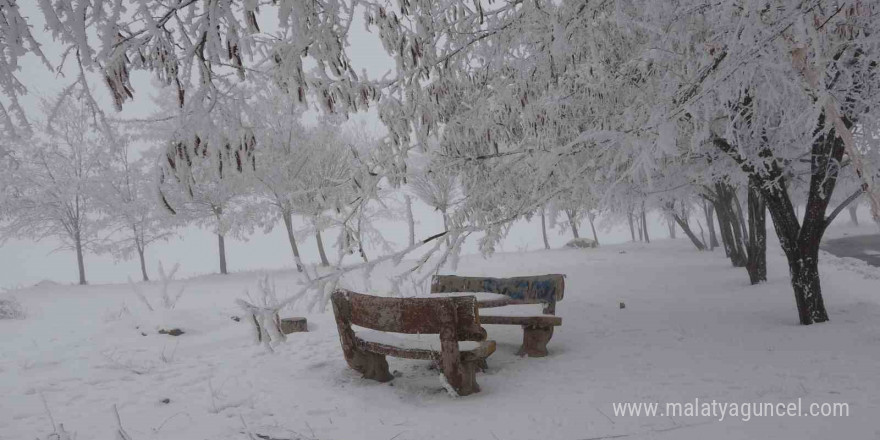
[
  {"x": 581, "y": 243},
  {"x": 46, "y": 283}
]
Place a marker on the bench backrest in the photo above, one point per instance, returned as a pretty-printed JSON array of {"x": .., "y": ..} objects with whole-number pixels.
[
  {"x": 457, "y": 315},
  {"x": 543, "y": 289}
]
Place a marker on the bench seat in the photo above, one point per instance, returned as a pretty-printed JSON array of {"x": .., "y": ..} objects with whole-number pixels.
[{"x": 425, "y": 347}]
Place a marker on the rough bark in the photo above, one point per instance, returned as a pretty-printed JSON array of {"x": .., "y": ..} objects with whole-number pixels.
[
  {"x": 683, "y": 224},
  {"x": 591, "y": 217},
  {"x": 324, "y": 261},
  {"x": 79, "y": 259},
  {"x": 288, "y": 224},
  {"x": 709, "y": 209},
  {"x": 645, "y": 224},
  {"x": 544, "y": 230},
  {"x": 360, "y": 242},
  {"x": 140, "y": 251},
  {"x": 410, "y": 220},
  {"x": 757, "y": 249},
  {"x": 221, "y": 245},
  {"x": 572, "y": 223},
  {"x": 799, "y": 242},
  {"x": 445, "y": 225},
  {"x": 632, "y": 231},
  {"x": 731, "y": 232}
]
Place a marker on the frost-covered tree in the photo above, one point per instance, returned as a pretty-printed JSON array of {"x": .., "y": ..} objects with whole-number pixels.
[
  {"x": 437, "y": 188},
  {"x": 281, "y": 159},
  {"x": 200, "y": 50},
  {"x": 323, "y": 181},
  {"x": 208, "y": 186},
  {"x": 628, "y": 83},
  {"x": 126, "y": 194},
  {"x": 50, "y": 182}
]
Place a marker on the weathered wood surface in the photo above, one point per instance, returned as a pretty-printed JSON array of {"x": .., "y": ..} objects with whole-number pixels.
[
  {"x": 530, "y": 290},
  {"x": 416, "y": 315},
  {"x": 532, "y": 321},
  {"x": 453, "y": 319},
  {"x": 535, "y": 341},
  {"x": 293, "y": 325},
  {"x": 545, "y": 289}
]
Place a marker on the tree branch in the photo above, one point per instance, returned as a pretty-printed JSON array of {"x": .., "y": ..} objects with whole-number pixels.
[{"x": 843, "y": 205}]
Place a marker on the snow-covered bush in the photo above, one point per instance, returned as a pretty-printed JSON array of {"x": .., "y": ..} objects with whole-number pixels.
[
  {"x": 581, "y": 243},
  {"x": 169, "y": 301},
  {"x": 10, "y": 308},
  {"x": 263, "y": 313}
]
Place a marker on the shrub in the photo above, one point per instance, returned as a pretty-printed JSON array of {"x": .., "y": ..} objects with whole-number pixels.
[{"x": 10, "y": 308}]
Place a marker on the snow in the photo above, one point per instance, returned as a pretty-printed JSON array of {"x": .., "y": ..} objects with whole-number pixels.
[
  {"x": 692, "y": 329},
  {"x": 415, "y": 342}
]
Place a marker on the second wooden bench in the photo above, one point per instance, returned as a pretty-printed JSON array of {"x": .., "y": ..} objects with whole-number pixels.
[{"x": 542, "y": 289}]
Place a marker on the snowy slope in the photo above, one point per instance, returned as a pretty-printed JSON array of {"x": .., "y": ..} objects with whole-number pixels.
[{"x": 692, "y": 328}]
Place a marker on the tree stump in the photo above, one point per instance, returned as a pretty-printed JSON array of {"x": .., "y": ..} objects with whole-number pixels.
[{"x": 293, "y": 325}]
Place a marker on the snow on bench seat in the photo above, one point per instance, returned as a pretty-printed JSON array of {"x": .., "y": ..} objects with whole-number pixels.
[{"x": 413, "y": 346}]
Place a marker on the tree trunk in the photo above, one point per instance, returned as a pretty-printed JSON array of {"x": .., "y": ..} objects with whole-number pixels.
[
  {"x": 221, "y": 245},
  {"x": 544, "y": 230},
  {"x": 140, "y": 250},
  {"x": 803, "y": 264},
  {"x": 591, "y": 217},
  {"x": 79, "y": 259},
  {"x": 632, "y": 231},
  {"x": 683, "y": 224},
  {"x": 807, "y": 289},
  {"x": 445, "y": 225},
  {"x": 360, "y": 240},
  {"x": 741, "y": 217},
  {"x": 410, "y": 220},
  {"x": 800, "y": 242},
  {"x": 854, "y": 215},
  {"x": 738, "y": 238},
  {"x": 645, "y": 224},
  {"x": 757, "y": 253},
  {"x": 639, "y": 226},
  {"x": 670, "y": 222},
  {"x": 726, "y": 235},
  {"x": 709, "y": 209},
  {"x": 687, "y": 231},
  {"x": 323, "y": 255},
  {"x": 288, "y": 224},
  {"x": 572, "y": 223},
  {"x": 731, "y": 232}
]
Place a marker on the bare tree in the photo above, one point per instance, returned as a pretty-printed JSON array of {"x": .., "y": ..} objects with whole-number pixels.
[{"x": 49, "y": 184}]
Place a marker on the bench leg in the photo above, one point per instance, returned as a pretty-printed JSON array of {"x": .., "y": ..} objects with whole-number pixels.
[
  {"x": 482, "y": 365},
  {"x": 467, "y": 378},
  {"x": 535, "y": 341},
  {"x": 371, "y": 365}
]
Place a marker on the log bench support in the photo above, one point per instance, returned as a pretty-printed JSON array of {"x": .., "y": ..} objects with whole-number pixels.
[
  {"x": 535, "y": 341},
  {"x": 373, "y": 366},
  {"x": 467, "y": 382}
]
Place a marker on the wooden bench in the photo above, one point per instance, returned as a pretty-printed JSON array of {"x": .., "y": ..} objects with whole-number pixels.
[
  {"x": 453, "y": 319},
  {"x": 543, "y": 289}
]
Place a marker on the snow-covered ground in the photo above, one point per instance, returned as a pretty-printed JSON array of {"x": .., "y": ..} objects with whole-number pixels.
[{"x": 692, "y": 327}]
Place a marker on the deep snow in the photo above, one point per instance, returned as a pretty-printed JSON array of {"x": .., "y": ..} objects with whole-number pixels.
[{"x": 692, "y": 328}]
